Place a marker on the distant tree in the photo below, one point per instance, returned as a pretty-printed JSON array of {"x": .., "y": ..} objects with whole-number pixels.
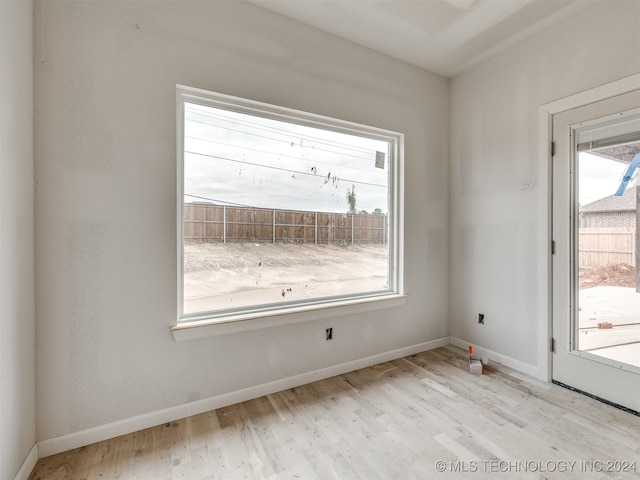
[
  {"x": 364, "y": 212},
  {"x": 377, "y": 211},
  {"x": 351, "y": 199}
]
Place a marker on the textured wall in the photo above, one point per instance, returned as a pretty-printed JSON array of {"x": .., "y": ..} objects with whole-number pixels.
[
  {"x": 105, "y": 144},
  {"x": 499, "y": 188},
  {"x": 17, "y": 317}
]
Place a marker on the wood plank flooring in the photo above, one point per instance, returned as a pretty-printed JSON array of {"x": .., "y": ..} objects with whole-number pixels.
[{"x": 417, "y": 417}]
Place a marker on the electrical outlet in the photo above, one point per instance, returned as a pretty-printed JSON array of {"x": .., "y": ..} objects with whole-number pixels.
[
  {"x": 481, "y": 318},
  {"x": 329, "y": 334}
]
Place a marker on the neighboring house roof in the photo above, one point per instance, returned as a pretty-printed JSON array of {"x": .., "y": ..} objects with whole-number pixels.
[
  {"x": 626, "y": 202},
  {"x": 619, "y": 153}
]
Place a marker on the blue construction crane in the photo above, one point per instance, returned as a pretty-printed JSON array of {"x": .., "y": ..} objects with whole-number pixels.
[{"x": 627, "y": 176}]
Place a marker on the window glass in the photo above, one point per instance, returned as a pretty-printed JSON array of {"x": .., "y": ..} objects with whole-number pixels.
[{"x": 281, "y": 208}]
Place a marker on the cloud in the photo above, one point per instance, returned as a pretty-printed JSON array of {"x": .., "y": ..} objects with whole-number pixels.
[
  {"x": 240, "y": 159},
  {"x": 598, "y": 177}
]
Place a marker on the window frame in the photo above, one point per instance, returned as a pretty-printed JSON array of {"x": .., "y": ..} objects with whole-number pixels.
[{"x": 209, "y": 323}]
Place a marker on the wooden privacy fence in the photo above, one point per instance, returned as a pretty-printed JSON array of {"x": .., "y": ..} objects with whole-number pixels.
[
  {"x": 219, "y": 223},
  {"x": 605, "y": 246}
]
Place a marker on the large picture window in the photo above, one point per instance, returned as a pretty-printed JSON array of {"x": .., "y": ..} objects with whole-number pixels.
[{"x": 280, "y": 209}]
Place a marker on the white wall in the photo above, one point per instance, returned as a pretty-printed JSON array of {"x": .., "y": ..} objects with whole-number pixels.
[
  {"x": 105, "y": 76},
  {"x": 499, "y": 188},
  {"x": 17, "y": 320}
]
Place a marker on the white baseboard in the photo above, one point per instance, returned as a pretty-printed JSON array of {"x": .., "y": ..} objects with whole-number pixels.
[
  {"x": 498, "y": 357},
  {"x": 28, "y": 464},
  {"x": 104, "y": 432}
]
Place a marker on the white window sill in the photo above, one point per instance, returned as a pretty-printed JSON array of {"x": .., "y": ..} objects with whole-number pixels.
[{"x": 210, "y": 327}]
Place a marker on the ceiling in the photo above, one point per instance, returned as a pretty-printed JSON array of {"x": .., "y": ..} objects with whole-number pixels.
[{"x": 443, "y": 36}]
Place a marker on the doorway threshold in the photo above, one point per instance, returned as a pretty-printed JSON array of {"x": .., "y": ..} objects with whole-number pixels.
[{"x": 595, "y": 397}]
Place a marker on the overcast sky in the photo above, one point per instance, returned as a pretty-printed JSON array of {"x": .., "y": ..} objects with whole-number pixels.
[
  {"x": 232, "y": 158},
  {"x": 599, "y": 177}
]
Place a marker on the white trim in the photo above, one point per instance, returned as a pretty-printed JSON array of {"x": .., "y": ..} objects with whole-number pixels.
[
  {"x": 29, "y": 464},
  {"x": 544, "y": 271},
  {"x": 526, "y": 33},
  {"x": 180, "y": 200},
  {"x": 195, "y": 329},
  {"x": 581, "y": 99},
  {"x": 278, "y": 112},
  {"x": 123, "y": 427},
  {"x": 545, "y": 129},
  {"x": 532, "y": 370},
  {"x": 594, "y": 357},
  {"x": 246, "y": 318}
]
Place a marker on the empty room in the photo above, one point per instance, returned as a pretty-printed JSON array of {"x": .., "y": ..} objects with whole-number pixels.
[{"x": 320, "y": 239}]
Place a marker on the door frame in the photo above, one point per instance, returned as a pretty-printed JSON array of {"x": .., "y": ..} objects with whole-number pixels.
[{"x": 545, "y": 128}]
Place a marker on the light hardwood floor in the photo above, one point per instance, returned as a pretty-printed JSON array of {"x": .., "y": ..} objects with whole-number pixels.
[{"x": 395, "y": 420}]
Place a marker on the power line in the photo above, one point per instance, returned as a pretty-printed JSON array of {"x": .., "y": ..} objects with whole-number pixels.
[
  {"x": 288, "y": 142},
  {"x": 251, "y": 124},
  {"x": 368, "y": 170},
  {"x": 283, "y": 169},
  {"x": 218, "y": 201},
  {"x": 248, "y": 206}
]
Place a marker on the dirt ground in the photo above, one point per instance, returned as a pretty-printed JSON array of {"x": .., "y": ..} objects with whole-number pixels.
[
  {"x": 217, "y": 256},
  {"x": 237, "y": 274},
  {"x": 615, "y": 275},
  {"x": 244, "y": 269}
]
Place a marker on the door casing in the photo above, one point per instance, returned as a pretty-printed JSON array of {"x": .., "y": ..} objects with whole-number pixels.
[
  {"x": 585, "y": 371},
  {"x": 545, "y": 129}
]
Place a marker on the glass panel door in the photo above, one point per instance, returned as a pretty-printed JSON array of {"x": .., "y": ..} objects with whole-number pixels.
[
  {"x": 608, "y": 323},
  {"x": 596, "y": 304}
]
